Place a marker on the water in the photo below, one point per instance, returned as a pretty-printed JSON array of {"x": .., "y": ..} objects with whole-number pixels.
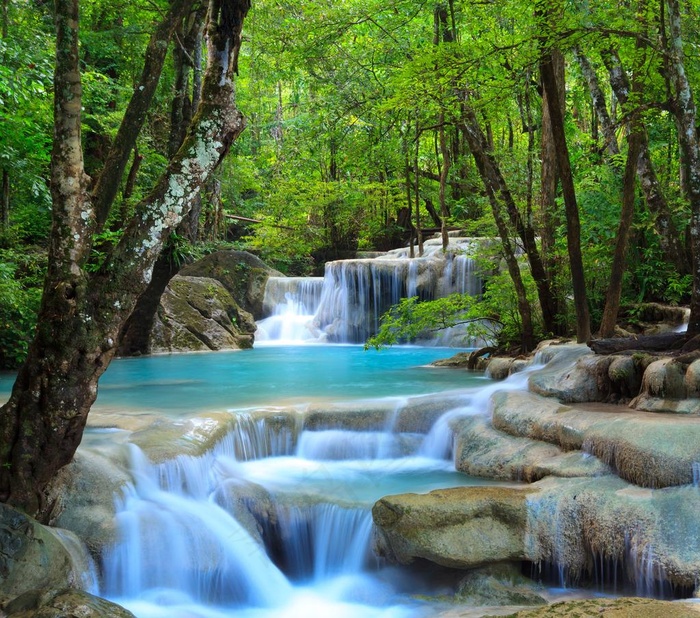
[
  {"x": 346, "y": 305},
  {"x": 270, "y": 524},
  {"x": 274, "y": 375}
]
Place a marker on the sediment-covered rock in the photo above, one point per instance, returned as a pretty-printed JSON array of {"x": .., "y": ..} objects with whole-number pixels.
[
  {"x": 481, "y": 450},
  {"x": 501, "y": 584},
  {"x": 573, "y": 524},
  {"x": 647, "y": 449},
  {"x": 36, "y": 557},
  {"x": 627, "y": 607},
  {"x": 464, "y": 527}
]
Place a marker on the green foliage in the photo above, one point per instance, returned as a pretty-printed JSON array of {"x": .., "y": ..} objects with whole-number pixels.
[
  {"x": 492, "y": 317},
  {"x": 20, "y": 294}
]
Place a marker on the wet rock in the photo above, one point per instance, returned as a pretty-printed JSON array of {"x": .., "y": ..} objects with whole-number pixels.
[
  {"x": 464, "y": 527},
  {"x": 34, "y": 556},
  {"x": 570, "y": 523},
  {"x": 62, "y": 604},
  {"x": 587, "y": 380},
  {"x": 243, "y": 274},
  {"x": 498, "y": 585},
  {"x": 195, "y": 314},
  {"x": 650, "y": 534},
  {"x": 626, "y": 607},
  {"x": 481, "y": 450},
  {"x": 647, "y": 449},
  {"x": 84, "y": 492},
  {"x": 665, "y": 388}
]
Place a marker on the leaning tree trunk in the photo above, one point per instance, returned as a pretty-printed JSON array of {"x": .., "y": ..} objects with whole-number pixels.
[
  {"x": 478, "y": 145},
  {"x": 669, "y": 238},
  {"x": 82, "y": 311},
  {"x": 493, "y": 180}
]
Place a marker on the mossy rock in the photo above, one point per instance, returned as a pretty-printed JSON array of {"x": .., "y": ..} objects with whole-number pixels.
[
  {"x": 67, "y": 603},
  {"x": 501, "y": 584},
  {"x": 199, "y": 314},
  {"x": 243, "y": 274}
]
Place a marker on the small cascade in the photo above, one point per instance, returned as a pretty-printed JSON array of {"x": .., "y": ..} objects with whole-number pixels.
[
  {"x": 347, "y": 304},
  {"x": 337, "y": 444},
  {"x": 255, "y": 438},
  {"x": 438, "y": 443},
  {"x": 180, "y": 544},
  {"x": 290, "y": 304},
  {"x": 321, "y": 541}
]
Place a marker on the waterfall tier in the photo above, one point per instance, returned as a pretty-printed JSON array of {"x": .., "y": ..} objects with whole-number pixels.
[{"x": 346, "y": 305}]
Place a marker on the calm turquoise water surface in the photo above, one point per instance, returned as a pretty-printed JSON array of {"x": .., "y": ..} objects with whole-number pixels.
[{"x": 273, "y": 375}]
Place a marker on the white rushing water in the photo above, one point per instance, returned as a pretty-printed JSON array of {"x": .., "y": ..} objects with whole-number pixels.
[
  {"x": 277, "y": 523},
  {"x": 345, "y": 306}
]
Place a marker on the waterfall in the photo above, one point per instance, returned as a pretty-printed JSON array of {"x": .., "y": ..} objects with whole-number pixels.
[
  {"x": 321, "y": 541},
  {"x": 290, "y": 304},
  {"x": 177, "y": 542},
  {"x": 346, "y": 305}
]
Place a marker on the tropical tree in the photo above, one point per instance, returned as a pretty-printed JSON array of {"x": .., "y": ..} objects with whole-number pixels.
[{"x": 85, "y": 304}]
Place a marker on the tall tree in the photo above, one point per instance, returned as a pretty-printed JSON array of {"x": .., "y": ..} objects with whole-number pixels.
[
  {"x": 85, "y": 305},
  {"x": 685, "y": 111}
]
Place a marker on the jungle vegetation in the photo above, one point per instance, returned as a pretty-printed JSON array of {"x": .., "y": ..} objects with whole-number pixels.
[{"x": 566, "y": 130}]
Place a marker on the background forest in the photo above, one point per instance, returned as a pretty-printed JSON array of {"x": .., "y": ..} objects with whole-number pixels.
[{"x": 373, "y": 124}]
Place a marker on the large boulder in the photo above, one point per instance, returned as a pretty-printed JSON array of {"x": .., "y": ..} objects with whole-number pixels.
[
  {"x": 83, "y": 495},
  {"x": 243, "y": 274},
  {"x": 198, "y": 314},
  {"x": 35, "y": 557},
  {"x": 570, "y": 523},
  {"x": 464, "y": 527}
]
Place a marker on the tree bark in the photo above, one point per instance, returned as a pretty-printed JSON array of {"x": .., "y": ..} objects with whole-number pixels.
[
  {"x": 573, "y": 225},
  {"x": 83, "y": 311},
  {"x": 598, "y": 99},
  {"x": 549, "y": 174},
  {"x": 444, "y": 172},
  {"x": 478, "y": 144},
  {"x": 686, "y": 116},
  {"x": 612, "y": 298},
  {"x": 107, "y": 184}
]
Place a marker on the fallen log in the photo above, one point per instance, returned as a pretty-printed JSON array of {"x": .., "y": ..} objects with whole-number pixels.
[{"x": 674, "y": 343}]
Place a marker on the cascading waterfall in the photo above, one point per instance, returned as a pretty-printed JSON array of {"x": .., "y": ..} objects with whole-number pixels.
[
  {"x": 274, "y": 520},
  {"x": 346, "y": 305}
]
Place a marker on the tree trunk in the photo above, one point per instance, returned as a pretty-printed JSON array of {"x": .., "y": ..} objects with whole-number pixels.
[
  {"x": 549, "y": 173},
  {"x": 83, "y": 311},
  {"x": 5, "y": 200},
  {"x": 668, "y": 234},
  {"x": 107, "y": 184},
  {"x": 598, "y": 99},
  {"x": 612, "y": 299},
  {"x": 444, "y": 172},
  {"x": 494, "y": 181},
  {"x": 136, "y": 332},
  {"x": 478, "y": 144},
  {"x": 686, "y": 116},
  {"x": 573, "y": 225}
]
